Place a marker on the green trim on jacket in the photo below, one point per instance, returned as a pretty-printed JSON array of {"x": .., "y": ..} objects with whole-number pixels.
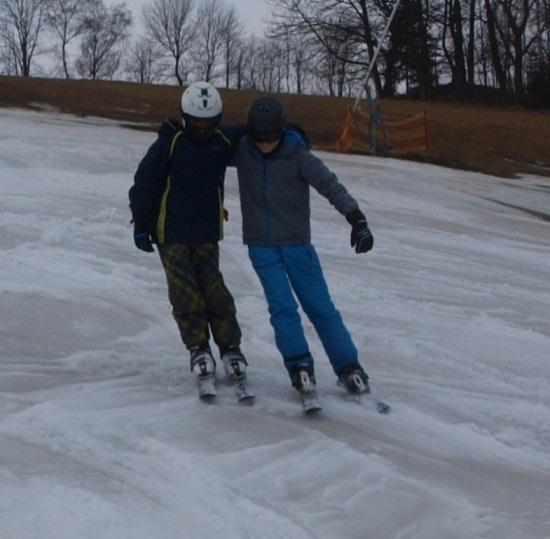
[{"x": 161, "y": 221}]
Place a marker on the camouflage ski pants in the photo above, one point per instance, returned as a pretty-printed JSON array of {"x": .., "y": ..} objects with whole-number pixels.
[{"x": 198, "y": 295}]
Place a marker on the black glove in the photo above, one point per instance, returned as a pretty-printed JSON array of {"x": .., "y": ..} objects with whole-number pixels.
[
  {"x": 361, "y": 236},
  {"x": 143, "y": 240}
]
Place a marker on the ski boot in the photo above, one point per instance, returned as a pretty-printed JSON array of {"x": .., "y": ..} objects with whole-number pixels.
[
  {"x": 303, "y": 379},
  {"x": 234, "y": 364},
  {"x": 203, "y": 366},
  {"x": 354, "y": 379}
]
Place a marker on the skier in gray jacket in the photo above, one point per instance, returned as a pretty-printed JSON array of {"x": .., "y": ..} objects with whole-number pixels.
[{"x": 275, "y": 170}]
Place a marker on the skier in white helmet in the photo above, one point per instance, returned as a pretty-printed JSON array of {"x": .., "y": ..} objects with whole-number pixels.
[
  {"x": 177, "y": 204},
  {"x": 201, "y": 108}
]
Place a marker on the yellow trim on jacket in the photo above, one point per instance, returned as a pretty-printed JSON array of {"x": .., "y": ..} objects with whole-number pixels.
[
  {"x": 222, "y": 211},
  {"x": 161, "y": 221}
]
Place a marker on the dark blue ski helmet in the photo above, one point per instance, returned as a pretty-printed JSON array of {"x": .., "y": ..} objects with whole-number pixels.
[{"x": 266, "y": 119}]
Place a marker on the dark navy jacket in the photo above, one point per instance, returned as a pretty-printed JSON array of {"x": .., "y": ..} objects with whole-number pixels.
[{"x": 178, "y": 187}]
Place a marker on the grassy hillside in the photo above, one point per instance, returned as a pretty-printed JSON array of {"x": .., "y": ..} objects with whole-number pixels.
[{"x": 504, "y": 141}]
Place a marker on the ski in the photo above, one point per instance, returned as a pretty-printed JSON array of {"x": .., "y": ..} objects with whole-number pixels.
[
  {"x": 207, "y": 388},
  {"x": 208, "y": 391},
  {"x": 379, "y": 406},
  {"x": 310, "y": 402}
]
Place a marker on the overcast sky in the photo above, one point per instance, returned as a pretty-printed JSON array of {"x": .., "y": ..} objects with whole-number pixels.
[{"x": 252, "y": 12}]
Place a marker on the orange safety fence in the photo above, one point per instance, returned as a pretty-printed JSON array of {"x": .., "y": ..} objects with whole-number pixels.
[
  {"x": 345, "y": 140},
  {"x": 408, "y": 136}
]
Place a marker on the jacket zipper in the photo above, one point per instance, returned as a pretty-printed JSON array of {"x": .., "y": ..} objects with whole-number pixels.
[{"x": 267, "y": 215}]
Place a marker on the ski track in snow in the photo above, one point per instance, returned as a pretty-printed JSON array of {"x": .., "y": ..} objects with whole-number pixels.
[{"x": 101, "y": 432}]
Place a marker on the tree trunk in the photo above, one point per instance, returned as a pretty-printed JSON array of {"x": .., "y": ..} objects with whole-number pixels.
[
  {"x": 367, "y": 34},
  {"x": 227, "y": 65},
  {"x": 389, "y": 74},
  {"x": 471, "y": 44},
  {"x": 177, "y": 59},
  {"x": 493, "y": 43},
  {"x": 64, "y": 58},
  {"x": 455, "y": 25},
  {"x": 518, "y": 65}
]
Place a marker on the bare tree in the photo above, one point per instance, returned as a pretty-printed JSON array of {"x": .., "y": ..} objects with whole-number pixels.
[
  {"x": 8, "y": 65},
  {"x": 21, "y": 23},
  {"x": 211, "y": 25},
  {"x": 512, "y": 31},
  {"x": 542, "y": 14},
  {"x": 263, "y": 65},
  {"x": 271, "y": 66},
  {"x": 471, "y": 46},
  {"x": 105, "y": 30},
  {"x": 334, "y": 71},
  {"x": 453, "y": 24},
  {"x": 67, "y": 19},
  {"x": 241, "y": 59},
  {"x": 300, "y": 53},
  {"x": 168, "y": 23},
  {"x": 142, "y": 62},
  {"x": 494, "y": 45},
  {"x": 518, "y": 15},
  {"x": 232, "y": 32},
  {"x": 356, "y": 22},
  {"x": 249, "y": 64}
]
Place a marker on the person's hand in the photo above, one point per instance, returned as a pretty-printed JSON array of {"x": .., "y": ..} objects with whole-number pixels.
[
  {"x": 143, "y": 241},
  {"x": 361, "y": 236},
  {"x": 142, "y": 238}
]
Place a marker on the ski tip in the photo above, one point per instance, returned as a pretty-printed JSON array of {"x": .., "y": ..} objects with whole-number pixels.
[
  {"x": 247, "y": 399},
  {"x": 243, "y": 393},
  {"x": 310, "y": 402},
  {"x": 208, "y": 397},
  {"x": 383, "y": 407},
  {"x": 311, "y": 407}
]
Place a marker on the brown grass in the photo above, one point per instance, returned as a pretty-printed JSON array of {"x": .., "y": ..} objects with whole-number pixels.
[{"x": 504, "y": 141}]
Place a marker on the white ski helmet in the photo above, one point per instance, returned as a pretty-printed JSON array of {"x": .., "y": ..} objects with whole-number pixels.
[{"x": 202, "y": 101}]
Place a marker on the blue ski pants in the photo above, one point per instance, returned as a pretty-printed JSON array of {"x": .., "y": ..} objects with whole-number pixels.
[{"x": 294, "y": 271}]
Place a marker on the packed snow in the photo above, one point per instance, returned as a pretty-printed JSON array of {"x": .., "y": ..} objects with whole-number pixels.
[{"x": 101, "y": 431}]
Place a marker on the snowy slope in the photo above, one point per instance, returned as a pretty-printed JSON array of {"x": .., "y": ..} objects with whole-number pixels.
[{"x": 101, "y": 433}]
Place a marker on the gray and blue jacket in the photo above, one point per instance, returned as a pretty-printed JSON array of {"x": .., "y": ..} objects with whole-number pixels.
[{"x": 274, "y": 190}]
